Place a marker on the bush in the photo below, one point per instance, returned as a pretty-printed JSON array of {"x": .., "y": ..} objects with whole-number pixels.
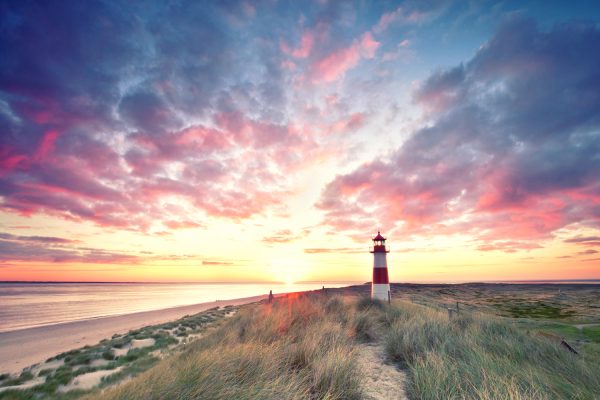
[
  {"x": 108, "y": 355},
  {"x": 364, "y": 326},
  {"x": 367, "y": 303},
  {"x": 24, "y": 377}
]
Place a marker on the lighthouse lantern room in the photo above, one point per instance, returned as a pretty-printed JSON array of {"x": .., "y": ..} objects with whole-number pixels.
[{"x": 380, "y": 286}]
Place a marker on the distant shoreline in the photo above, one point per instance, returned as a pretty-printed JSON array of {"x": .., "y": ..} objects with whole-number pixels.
[
  {"x": 177, "y": 283},
  {"x": 24, "y": 347},
  {"x": 520, "y": 281}
]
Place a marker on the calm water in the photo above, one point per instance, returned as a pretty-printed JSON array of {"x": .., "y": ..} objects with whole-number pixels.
[{"x": 25, "y": 305}]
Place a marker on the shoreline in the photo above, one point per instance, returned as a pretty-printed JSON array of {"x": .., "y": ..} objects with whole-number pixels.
[{"x": 25, "y": 347}]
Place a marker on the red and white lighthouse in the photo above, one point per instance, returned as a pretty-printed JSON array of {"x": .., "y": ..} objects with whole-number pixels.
[{"x": 380, "y": 286}]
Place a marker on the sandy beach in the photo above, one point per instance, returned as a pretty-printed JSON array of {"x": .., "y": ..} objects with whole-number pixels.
[{"x": 22, "y": 348}]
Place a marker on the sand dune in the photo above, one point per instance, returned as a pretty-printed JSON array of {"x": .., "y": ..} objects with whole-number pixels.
[{"x": 22, "y": 348}]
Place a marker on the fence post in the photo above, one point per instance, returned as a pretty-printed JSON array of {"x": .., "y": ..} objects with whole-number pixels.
[{"x": 389, "y": 297}]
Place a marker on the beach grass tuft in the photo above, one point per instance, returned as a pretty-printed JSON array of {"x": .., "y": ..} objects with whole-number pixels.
[{"x": 477, "y": 356}]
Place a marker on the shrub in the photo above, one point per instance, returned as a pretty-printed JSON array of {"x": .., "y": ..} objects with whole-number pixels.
[
  {"x": 364, "y": 326},
  {"x": 22, "y": 378},
  {"x": 108, "y": 355},
  {"x": 367, "y": 303}
]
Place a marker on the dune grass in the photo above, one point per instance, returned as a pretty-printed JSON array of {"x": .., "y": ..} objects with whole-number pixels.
[
  {"x": 304, "y": 347},
  {"x": 297, "y": 348},
  {"x": 476, "y": 356}
]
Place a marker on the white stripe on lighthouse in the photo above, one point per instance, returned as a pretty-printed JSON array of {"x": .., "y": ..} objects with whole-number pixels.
[
  {"x": 380, "y": 291},
  {"x": 380, "y": 260}
]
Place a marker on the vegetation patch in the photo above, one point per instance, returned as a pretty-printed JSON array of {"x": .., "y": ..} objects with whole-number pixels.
[
  {"x": 476, "y": 356},
  {"x": 296, "y": 348},
  {"x": 592, "y": 333},
  {"x": 24, "y": 377},
  {"x": 534, "y": 310},
  {"x": 79, "y": 361}
]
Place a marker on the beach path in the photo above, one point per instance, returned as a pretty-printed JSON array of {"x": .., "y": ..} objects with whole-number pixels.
[
  {"x": 381, "y": 381},
  {"x": 25, "y": 347}
]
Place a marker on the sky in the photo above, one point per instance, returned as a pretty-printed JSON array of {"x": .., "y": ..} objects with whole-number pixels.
[{"x": 218, "y": 141}]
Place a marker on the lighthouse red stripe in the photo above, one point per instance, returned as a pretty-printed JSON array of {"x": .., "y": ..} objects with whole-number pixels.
[{"x": 380, "y": 275}]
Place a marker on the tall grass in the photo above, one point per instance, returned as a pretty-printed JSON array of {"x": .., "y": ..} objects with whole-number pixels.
[
  {"x": 297, "y": 348},
  {"x": 475, "y": 356},
  {"x": 304, "y": 347}
]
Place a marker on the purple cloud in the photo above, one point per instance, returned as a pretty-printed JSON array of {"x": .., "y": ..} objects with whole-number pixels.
[{"x": 55, "y": 249}]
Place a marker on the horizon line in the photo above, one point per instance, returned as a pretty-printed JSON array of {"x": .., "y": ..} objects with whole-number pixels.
[{"x": 308, "y": 282}]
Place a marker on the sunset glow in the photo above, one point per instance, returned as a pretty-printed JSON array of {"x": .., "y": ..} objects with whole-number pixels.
[{"x": 269, "y": 141}]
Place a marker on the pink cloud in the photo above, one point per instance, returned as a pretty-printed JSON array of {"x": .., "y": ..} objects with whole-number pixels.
[
  {"x": 47, "y": 143},
  {"x": 347, "y": 123},
  {"x": 84, "y": 179},
  {"x": 335, "y": 64},
  {"x": 305, "y": 47},
  {"x": 402, "y": 16},
  {"x": 173, "y": 224},
  {"x": 508, "y": 246},
  {"x": 9, "y": 160},
  {"x": 368, "y": 45}
]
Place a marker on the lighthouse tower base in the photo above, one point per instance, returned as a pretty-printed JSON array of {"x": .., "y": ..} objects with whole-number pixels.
[{"x": 380, "y": 291}]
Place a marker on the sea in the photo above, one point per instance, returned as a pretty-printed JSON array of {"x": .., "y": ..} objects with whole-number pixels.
[{"x": 28, "y": 305}]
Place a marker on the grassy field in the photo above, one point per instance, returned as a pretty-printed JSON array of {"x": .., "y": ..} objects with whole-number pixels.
[
  {"x": 306, "y": 347},
  {"x": 298, "y": 348},
  {"x": 311, "y": 346}
]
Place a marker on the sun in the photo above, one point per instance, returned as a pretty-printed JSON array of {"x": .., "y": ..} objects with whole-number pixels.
[
  {"x": 289, "y": 281},
  {"x": 287, "y": 271}
]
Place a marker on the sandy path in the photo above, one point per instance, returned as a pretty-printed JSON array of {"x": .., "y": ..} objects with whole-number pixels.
[
  {"x": 22, "y": 348},
  {"x": 381, "y": 381}
]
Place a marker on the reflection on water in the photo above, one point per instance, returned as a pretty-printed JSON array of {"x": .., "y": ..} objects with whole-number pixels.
[{"x": 25, "y": 305}]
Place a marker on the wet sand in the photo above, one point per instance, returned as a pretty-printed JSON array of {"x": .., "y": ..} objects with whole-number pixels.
[{"x": 24, "y": 347}]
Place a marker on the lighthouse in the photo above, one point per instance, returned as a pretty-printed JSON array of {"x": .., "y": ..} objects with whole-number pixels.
[{"x": 380, "y": 286}]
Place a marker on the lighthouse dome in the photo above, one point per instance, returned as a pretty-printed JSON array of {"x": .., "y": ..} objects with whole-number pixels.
[{"x": 378, "y": 237}]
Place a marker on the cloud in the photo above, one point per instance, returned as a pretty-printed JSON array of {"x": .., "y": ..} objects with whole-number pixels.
[
  {"x": 147, "y": 112},
  {"x": 335, "y": 250},
  {"x": 587, "y": 252},
  {"x": 204, "y": 262},
  {"x": 410, "y": 13},
  {"x": 303, "y": 50},
  {"x": 39, "y": 239},
  {"x": 508, "y": 246},
  {"x": 510, "y": 151},
  {"x": 282, "y": 236},
  {"x": 333, "y": 65},
  {"x": 55, "y": 249},
  {"x": 60, "y": 250},
  {"x": 584, "y": 240}
]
